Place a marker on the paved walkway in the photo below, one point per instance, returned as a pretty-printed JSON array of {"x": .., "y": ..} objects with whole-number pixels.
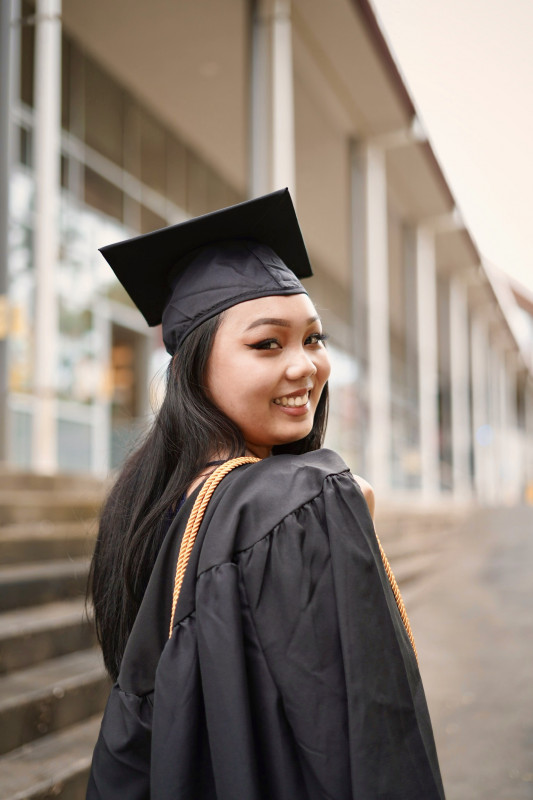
[{"x": 472, "y": 619}]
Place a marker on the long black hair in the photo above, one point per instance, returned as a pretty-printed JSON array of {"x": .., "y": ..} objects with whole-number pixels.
[{"x": 187, "y": 430}]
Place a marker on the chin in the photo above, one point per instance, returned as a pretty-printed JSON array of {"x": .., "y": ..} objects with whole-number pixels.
[{"x": 289, "y": 439}]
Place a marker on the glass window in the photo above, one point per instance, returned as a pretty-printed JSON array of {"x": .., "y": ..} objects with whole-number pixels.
[
  {"x": 64, "y": 172},
  {"x": 65, "y": 83},
  {"x": 104, "y": 113},
  {"x": 27, "y": 53},
  {"x": 78, "y": 374},
  {"x": 103, "y": 195},
  {"x": 132, "y": 213},
  {"x": 132, "y": 138},
  {"x": 151, "y": 221},
  {"x": 128, "y": 375},
  {"x": 76, "y": 82},
  {"x": 21, "y": 286},
  {"x": 177, "y": 172},
  {"x": 25, "y": 147},
  {"x": 197, "y": 179},
  {"x": 153, "y": 149},
  {"x": 73, "y": 446},
  {"x": 20, "y": 432},
  {"x": 218, "y": 194}
]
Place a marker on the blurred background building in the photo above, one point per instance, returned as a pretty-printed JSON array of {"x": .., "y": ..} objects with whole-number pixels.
[{"x": 125, "y": 117}]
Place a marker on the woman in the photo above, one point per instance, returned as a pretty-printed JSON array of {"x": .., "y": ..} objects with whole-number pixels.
[{"x": 288, "y": 672}]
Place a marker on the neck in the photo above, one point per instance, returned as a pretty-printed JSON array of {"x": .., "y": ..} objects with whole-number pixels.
[{"x": 251, "y": 450}]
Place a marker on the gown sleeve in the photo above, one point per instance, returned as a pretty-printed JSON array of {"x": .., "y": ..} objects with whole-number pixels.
[
  {"x": 121, "y": 758},
  {"x": 328, "y": 626}
]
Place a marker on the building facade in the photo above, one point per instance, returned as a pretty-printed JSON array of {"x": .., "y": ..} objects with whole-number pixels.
[{"x": 130, "y": 116}]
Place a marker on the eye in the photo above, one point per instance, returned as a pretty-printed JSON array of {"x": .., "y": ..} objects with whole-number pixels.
[
  {"x": 266, "y": 344},
  {"x": 316, "y": 338}
]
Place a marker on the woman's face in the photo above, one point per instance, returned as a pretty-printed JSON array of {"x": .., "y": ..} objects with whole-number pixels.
[{"x": 267, "y": 369}]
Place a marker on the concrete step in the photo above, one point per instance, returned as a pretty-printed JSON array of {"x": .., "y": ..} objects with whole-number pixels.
[
  {"x": 51, "y": 696},
  {"x": 55, "y": 766},
  {"x": 413, "y": 568},
  {"x": 394, "y": 522},
  {"x": 45, "y": 505},
  {"x": 15, "y": 480},
  {"x": 31, "y": 635},
  {"x": 413, "y": 554},
  {"x": 389, "y": 529},
  {"x": 24, "y": 585},
  {"x": 412, "y": 544},
  {"x": 36, "y": 541}
]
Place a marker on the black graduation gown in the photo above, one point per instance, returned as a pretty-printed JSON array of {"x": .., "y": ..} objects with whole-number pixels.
[{"x": 289, "y": 673}]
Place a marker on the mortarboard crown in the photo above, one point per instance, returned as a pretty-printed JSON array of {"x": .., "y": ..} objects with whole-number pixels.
[{"x": 187, "y": 273}]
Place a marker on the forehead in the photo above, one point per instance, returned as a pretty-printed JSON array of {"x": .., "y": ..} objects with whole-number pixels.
[{"x": 295, "y": 309}]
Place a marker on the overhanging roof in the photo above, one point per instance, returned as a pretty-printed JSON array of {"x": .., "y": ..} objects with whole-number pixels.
[{"x": 186, "y": 61}]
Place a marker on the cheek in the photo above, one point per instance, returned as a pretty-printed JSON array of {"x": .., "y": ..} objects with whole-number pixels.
[
  {"x": 323, "y": 367},
  {"x": 234, "y": 384}
]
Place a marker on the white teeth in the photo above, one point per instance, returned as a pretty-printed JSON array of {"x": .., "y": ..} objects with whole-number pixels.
[{"x": 292, "y": 402}]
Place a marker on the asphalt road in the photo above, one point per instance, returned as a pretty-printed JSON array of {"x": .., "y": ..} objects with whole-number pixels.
[{"x": 472, "y": 617}]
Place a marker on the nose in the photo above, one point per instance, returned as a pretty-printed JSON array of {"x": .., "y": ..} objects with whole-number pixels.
[{"x": 300, "y": 365}]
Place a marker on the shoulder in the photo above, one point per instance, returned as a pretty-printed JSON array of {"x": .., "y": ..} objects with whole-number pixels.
[
  {"x": 254, "y": 499},
  {"x": 277, "y": 485},
  {"x": 368, "y": 493}
]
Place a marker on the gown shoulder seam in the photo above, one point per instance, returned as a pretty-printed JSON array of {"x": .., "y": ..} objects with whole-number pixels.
[{"x": 274, "y": 529}]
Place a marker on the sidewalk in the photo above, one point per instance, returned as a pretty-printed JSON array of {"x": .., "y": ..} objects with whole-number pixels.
[{"x": 472, "y": 618}]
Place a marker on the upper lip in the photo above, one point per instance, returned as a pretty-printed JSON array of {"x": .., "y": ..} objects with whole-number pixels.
[{"x": 297, "y": 393}]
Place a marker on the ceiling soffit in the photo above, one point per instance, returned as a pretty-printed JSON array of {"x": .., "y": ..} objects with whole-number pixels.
[
  {"x": 335, "y": 37},
  {"x": 455, "y": 251},
  {"x": 186, "y": 61},
  {"x": 415, "y": 177}
]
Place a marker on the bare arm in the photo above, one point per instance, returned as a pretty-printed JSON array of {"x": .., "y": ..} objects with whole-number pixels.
[{"x": 368, "y": 493}]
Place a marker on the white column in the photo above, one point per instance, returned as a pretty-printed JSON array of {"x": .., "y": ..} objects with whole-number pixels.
[
  {"x": 513, "y": 444},
  {"x": 101, "y": 429},
  {"x": 272, "y": 153},
  {"x": 47, "y": 176},
  {"x": 370, "y": 264},
  {"x": 283, "y": 157},
  {"x": 497, "y": 401},
  {"x": 7, "y": 68},
  {"x": 528, "y": 410},
  {"x": 426, "y": 312},
  {"x": 480, "y": 420},
  {"x": 460, "y": 381}
]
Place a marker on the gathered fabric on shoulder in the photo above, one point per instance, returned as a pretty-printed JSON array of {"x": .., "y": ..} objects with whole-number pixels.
[{"x": 289, "y": 673}]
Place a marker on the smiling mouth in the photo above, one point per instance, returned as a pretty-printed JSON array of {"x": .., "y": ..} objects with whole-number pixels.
[{"x": 293, "y": 401}]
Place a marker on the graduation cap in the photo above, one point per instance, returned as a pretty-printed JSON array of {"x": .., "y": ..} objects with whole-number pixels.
[{"x": 187, "y": 273}]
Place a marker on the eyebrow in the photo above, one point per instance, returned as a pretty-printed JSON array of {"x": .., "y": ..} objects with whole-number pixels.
[{"x": 283, "y": 323}]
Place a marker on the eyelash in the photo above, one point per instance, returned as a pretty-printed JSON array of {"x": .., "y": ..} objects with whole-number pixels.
[{"x": 264, "y": 345}]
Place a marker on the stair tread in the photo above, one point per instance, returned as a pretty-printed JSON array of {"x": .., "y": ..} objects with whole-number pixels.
[
  {"x": 43, "y": 569},
  {"x": 45, "y": 529},
  {"x": 410, "y": 546},
  {"x": 54, "y": 675},
  {"x": 38, "y": 766},
  {"x": 412, "y": 563},
  {"x": 25, "y": 621},
  {"x": 47, "y": 497}
]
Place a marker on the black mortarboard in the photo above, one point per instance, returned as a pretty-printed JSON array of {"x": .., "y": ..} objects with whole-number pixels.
[{"x": 187, "y": 273}]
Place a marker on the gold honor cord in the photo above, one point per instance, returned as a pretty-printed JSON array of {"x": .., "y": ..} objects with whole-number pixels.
[
  {"x": 398, "y": 597},
  {"x": 194, "y": 522},
  {"x": 195, "y": 519}
]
